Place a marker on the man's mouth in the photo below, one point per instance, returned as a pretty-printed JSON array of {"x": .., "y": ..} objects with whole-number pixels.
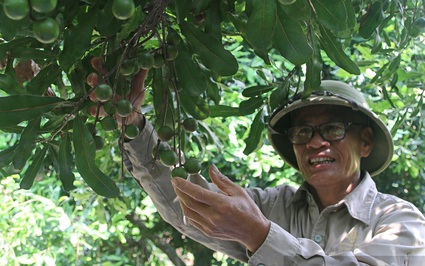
[{"x": 321, "y": 160}]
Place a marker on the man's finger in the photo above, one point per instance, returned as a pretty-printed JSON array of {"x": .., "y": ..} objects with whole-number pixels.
[
  {"x": 221, "y": 181},
  {"x": 187, "y": 190}
]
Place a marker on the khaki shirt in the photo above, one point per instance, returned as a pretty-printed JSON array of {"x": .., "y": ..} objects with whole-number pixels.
[{"x": 365, "y": 228}]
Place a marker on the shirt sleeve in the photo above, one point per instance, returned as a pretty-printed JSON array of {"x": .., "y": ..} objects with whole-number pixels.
[
  {"x": 396, "y": 239},
  {"x": 155, "y": 179}
]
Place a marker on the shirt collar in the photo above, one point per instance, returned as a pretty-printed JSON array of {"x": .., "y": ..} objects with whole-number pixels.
[{"x": 359, "y": 202}]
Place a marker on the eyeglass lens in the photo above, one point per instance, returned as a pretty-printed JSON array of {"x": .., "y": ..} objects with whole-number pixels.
[{"x": 330, "y": 131}]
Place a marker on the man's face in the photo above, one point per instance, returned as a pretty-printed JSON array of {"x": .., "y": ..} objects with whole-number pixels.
[{"x": 326, "y": 163}]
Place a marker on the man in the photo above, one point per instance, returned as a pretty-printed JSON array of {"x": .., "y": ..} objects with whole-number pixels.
[{"x": 337, "y": 217}]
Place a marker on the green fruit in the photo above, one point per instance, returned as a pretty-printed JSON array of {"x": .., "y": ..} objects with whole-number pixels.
[
  {"x": 124, "y": 108},
  {"x": 46, "y": 30},
  {"x": 16, "y": 9},
  {"x": 179, "y": 172},
  {"x": 146, "y": 60},
  {"x": 123, "y": 9},
  {"x": 173, "y": 37},
  {"x": 165, "y": 133},
  {"x": 192, "y": 166},
  {"x": 128, "y": 68},
  {"x": 190, "y": 124},
  {"x": 43, "y": 6},
  {"x": 168, "y": 157},
  {"x": 109, "y": 108},
  {"x": 98, "y": 142},
  {"x": 158, "y": 60},
  {"x": 286, "y": 2},
  {"x": 103, "y": 92},
  {"x": 172, "y": 52},
  {"x": 109, "y": 123},
  {"x": 159, "y": 148},
  {"x": 131, "y": 131}
]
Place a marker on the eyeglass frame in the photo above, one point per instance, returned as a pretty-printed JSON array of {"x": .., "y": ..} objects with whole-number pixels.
[{"x": 317, "y": 129}]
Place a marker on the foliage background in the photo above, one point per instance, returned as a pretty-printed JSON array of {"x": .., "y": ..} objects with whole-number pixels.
[{"x": 48, "y": 225}]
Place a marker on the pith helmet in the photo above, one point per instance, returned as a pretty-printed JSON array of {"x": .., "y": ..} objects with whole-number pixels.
[{"x": 337, "y": 93}]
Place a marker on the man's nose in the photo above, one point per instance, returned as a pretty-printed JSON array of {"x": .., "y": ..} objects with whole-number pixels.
[{"x": 317, "y": 141}]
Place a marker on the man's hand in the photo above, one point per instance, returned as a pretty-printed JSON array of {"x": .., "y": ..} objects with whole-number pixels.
[
  {"x": 136, "y": 95},
  {"x": 231, "y": 215}
]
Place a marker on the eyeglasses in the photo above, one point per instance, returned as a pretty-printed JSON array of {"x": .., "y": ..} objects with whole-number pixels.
[{"x": 330, "y": 131}]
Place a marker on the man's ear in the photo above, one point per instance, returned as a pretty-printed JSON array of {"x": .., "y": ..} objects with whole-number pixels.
[{"x": 366, "y": 138}]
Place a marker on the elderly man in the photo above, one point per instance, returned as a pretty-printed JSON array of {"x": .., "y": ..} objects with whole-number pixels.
[{"x": 337, "y": 217}]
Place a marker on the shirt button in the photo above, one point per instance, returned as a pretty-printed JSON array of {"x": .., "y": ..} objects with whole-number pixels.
[{"x": 318, "y": 238}]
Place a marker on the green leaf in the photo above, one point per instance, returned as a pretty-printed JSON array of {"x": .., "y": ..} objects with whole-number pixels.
[
  {"x": 371, "y": 20},
  {"x": 183, "y": 9},
  {"x": 6, "y": 156},
  {"x": 15, "y": 43},
  {"x": 300, "y": 10},
  {"x": 256, "y": 90},
  {"x": 190, "y": 77},
  {"x": 32, "y": 53},
  {"x": 337, "y": 15},
  {"x": 290, "y": 40},
  {"x": 161, "y": 98},
  {"x": 255, "y": 137},
  {"x": 17, "y": 108},
  {"x": 224, "y": 111},
  {"x": 210, "y": 50},
  {"x": 261, "y": 24},
  {"x": 9, "y": 28},
  {"x": 26, "y": 143},
  {"x": 334, "y": 50},
  {"x": 37, "y": 162},
  {"x": 42, "y": 81},
  {"x": 107, "y": 24},
  {"x": 213, "y": 20},
  {"x": 279, "y": 96},
  {"x": 78, "y": 39},
  {"x": 65, "y": 162},
  {"x": 250, "y": 106},
  {"x": 85, "y": 152},
  {"x": 10, "y": 86},
  {"x": 195, "y": 106},
  {"x": 313, "y": 68}
]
